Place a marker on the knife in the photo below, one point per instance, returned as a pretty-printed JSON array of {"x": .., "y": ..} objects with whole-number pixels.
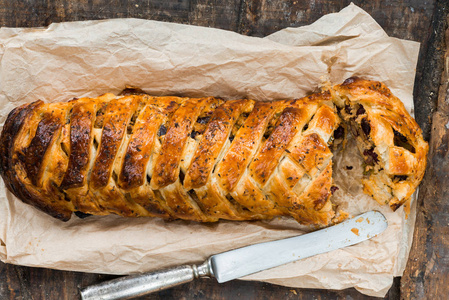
[{"x": 244, "y": 261}]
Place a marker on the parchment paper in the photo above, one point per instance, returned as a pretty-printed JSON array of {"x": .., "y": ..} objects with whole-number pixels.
[{"x": 90, "y": 58}]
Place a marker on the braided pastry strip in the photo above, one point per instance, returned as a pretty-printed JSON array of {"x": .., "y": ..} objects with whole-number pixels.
[
  {"x": 205, "y": 159},
  {"x": 388, "y": 138}
]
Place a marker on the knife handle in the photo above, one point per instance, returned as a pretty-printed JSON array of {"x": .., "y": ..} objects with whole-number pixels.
[{"x": 142, "y": 284}]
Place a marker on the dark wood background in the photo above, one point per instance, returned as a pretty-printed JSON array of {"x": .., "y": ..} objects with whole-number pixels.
[{"x": 427, "y": 273}]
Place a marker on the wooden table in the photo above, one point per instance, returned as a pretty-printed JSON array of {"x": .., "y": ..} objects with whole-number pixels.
[{"x": 427, "y": 273}]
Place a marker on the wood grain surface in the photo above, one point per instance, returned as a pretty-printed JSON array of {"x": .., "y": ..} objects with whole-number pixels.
[{"x": 427, "y": 272}]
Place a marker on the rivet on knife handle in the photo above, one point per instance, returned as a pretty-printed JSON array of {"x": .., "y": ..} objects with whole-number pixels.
[{"x": 143, "y": 284}]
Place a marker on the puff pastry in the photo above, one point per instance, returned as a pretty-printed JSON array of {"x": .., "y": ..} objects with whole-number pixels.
[{"x": 205, "y": 159}]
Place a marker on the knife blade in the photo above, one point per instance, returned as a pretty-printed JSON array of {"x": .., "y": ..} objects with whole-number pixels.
[{"x": 244, "y": 261}]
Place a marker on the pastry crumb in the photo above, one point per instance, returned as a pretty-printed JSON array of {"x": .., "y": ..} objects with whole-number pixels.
[{"x": 355, "y": 231}]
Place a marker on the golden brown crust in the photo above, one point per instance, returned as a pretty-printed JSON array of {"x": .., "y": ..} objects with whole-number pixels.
[
  {"x": 266, "y": 159},
  {"x": 116, "y": 118},
  {"x": 169, "y": 158},
  {"x": 13, "y": 170},
  {"x": 81, "y": 125},
  {"x": 389, "y": 139},
  {"x": 205, "y": 159},
  {"x": 231, "y": 168},
  {"x": 209, "y": 148}
]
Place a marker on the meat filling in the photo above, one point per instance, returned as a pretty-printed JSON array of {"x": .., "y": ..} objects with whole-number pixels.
[{"x": 357, "y": 119}]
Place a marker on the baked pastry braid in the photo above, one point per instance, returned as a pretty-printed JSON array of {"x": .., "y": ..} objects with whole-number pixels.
[
  {"x": 205, "y": 159},
  {"x": 388, "y": 138}
]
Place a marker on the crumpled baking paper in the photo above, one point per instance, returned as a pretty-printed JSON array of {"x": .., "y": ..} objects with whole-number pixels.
[{"x": 90, "y": 58}]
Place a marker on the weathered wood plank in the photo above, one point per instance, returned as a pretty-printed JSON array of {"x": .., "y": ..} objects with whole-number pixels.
[
  {"x": 406, "y": 19},
  {"x": 427, "y": 271},
  {"x": 430, "y": 68},
  {"x": 428, "y": 266},
  {"x": 45, "y": 284},
  {"x": 214, "y": 13}
]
